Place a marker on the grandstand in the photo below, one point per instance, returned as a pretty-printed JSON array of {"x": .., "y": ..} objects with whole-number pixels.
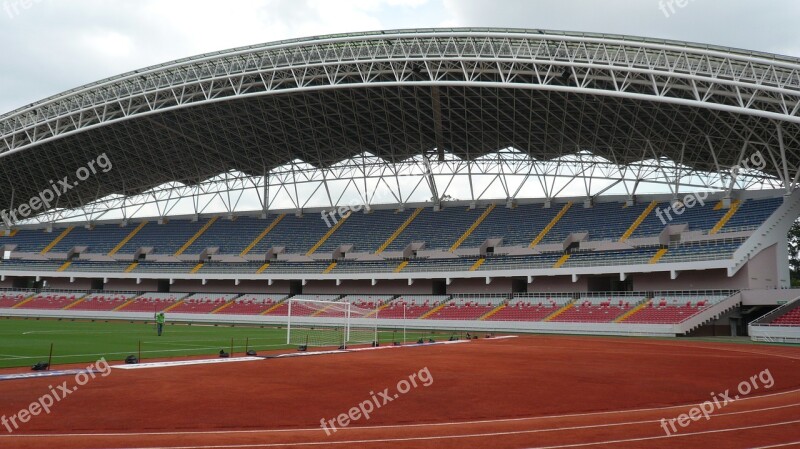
[{"x": 452, "y": 196}]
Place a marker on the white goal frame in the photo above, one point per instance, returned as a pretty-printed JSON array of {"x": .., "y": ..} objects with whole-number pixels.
[{"x": 345, "y": 323}]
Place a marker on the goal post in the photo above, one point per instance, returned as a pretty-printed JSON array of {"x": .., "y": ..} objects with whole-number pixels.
[{"x": 317, "y": 323}]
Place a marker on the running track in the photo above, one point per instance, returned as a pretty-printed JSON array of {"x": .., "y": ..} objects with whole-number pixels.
[{"x": 530, "y": 392}]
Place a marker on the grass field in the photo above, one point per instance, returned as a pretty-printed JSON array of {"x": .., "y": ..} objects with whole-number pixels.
[{"x": 24, "y": 342}]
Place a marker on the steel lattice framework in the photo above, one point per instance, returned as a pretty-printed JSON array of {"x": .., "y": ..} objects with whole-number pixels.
[{"x": 398, "y": 116}]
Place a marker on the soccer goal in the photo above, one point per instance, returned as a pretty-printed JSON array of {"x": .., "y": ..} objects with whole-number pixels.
[{"x": 330, "y": 323}]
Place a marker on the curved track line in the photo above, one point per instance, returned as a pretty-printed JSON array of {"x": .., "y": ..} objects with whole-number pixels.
[
  {"x": 704, "y": 345},
  {"x": 403, "y": 426},
  {"x": 464, "y": 436}
]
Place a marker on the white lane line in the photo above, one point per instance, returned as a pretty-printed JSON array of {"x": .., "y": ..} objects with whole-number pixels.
[
  {"x": 398, "y": 426},
  {"x": 465, "y": 436},
  {"x": 704, "y": 345},
  {"x": 660, "y": 437},
  {"x": 793, "y": 443}
]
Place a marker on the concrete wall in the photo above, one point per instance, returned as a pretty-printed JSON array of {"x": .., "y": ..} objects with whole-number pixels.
[
  {"x": 558, "y": 284},
  {"x": 383, "y": 287},
  {"x": 219, "y": 286},
  {"x": 65, "y": 284},
  {"x": 762, "y": 270},
  {"x": 769, "y": 297},
  {"x": 690, "y": 280},
  {"x": 130, "y": 285},
  {"x": 479, "y": 286}
]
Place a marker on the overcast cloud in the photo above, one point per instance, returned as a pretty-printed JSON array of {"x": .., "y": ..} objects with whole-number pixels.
[{"x": 54, "y": 45}]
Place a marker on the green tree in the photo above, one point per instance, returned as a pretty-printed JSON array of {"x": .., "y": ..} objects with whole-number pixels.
[{"x": 794, "y": 253}]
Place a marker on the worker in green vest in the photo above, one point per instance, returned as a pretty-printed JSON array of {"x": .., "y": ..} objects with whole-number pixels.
[{"x": 160, "y": 322}]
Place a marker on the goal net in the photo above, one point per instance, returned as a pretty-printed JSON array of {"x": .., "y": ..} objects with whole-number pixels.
[{"x": 330, "y": 323}]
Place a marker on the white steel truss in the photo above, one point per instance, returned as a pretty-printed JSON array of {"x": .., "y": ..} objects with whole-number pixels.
[{"x": 355, "y": 118}]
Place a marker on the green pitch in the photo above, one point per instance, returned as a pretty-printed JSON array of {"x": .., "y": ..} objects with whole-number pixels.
[{"x": 24, "y": 342}]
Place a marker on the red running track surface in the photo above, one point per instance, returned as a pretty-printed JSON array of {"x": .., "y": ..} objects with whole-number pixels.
[{"x": 527, "y": 392}]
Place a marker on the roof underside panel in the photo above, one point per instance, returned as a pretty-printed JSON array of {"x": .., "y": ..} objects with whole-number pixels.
[{"x": 323, "y": 127}]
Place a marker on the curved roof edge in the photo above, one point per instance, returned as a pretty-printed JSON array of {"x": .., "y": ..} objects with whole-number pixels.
[{"x": 765, "y": 57}]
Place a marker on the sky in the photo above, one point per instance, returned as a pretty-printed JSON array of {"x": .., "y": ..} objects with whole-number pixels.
[{"x": 55, "y": 45}]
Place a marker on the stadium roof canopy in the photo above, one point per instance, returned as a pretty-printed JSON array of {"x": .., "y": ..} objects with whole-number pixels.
[{"x": 401, "y": 115}]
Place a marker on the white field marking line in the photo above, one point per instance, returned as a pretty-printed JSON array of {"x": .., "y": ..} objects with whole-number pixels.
[
  {"x": 186, "y": 345},
  {"x": 402, "y": 426},
  {"x": 187, "y": 363},
  {"x": 68, "y": 332},
  {"x": 254, "y": 346},
  {"x": 152, "y": 351},
  {"x": 9, "y": 356},
  {"x": 226, "y": 344},
  {"x": 463, "y": 436},
  {"x": 346, "y": 351}
]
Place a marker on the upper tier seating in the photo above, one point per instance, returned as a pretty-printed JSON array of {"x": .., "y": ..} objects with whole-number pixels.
[
  {"x": 751, "y": 214},
  {"x": 439, "y": 230},
  {"x": 615, "y": 218},
  {"x": 165, "y": 267},
  {"x": 98, "y": 267},
  {"x": 516, "y": 226},
  {"x": 99, "y": 240},
  {"x": 296, "y": 234},
  {"x": 706, "y": 250},
  {"x": 165, "y": 239},
  {"x": 30, "y": 265},
  {"x": 30, "y": 240},
  {"x": 230, "y": 236},
  {"x": 365, "y": 231}
]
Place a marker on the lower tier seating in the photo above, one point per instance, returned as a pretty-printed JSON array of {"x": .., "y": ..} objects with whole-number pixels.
[
  {"x": 673, "y": 309},
  {"x": 52, "y": 300},
  {"x": 202, "y": 303},
  {"x": 590, "y": 313},
  {"x": 792, "y": 318},
  {"x": 252, "y": 304},
  {"x": 669, "y": 308},
  {"x": 9, "y": 299},
  {"x": 153, "y": 302},
  {"x": 102, "y": 302}
]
